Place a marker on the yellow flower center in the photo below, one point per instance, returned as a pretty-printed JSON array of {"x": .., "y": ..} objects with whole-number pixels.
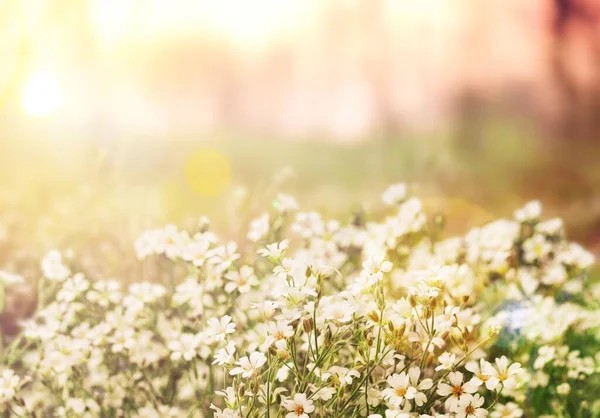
[
  {"x": 401, "y": 391},
  {"x": 457, "y": 390},
  {"x": 299, "y": 410}
]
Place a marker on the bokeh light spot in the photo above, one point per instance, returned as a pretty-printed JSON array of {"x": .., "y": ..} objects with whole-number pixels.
[
  {"x": 208, "y": 172},
  {"x": 42, "y": 95}
]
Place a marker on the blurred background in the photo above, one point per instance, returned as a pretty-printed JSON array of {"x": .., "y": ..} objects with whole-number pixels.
[{"x": 118, "y": 115}]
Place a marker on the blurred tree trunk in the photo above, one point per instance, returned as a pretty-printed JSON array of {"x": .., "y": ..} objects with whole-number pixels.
[{"x": 581, "y": 103}]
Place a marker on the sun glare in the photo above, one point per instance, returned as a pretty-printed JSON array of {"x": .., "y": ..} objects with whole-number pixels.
[
  {"x": 110, "y": 18},
  {"x": 252, "y": 22},
  {"x": 42, "y": 95}
]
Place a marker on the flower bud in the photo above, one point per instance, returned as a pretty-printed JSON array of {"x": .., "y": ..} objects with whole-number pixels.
[
  {"x": 373, "y": 316},
  {"x": 272, "y": 350},
  {"x": 370, "y": 339},
  {"x": 307, "y": 325},
  {"x": 283, "y": 355},
  {"x": 327, "y": 337},
  {"x": 494, "y": 330}
]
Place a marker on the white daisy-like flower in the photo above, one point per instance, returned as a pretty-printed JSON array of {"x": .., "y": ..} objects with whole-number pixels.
[
  {"x": 394, "y": 194},
  {"x": 455, "y": 390},
  {"x": 241, "y": 280},
  {"x": 531, "y": 211},
  {"x": 374, "y": 267},
  {"x": 414, "y": 374},
  {"x": 225, "y": 354},
  {"x": 285, "y": 203},
  {"x": 299, "y": 407},
  {"x": 482, "y": 374},
  {"x": 470, "y": 406},
  {"x": 278, "y": 331},
  {"x": 218, "y": 329},
  {"x": 225, "y": 413},
  {"x": 509, "y": 410},
  {"x": 447, "y": 361},
  {"x": 53, "y": 267},
  {"x": 249, "y": 365},
  {"x": 536, "y": 248},
  {"x": 504, "y": 372},
  {"x": 259, "y": 228},
  {"x": 275, "y": 250},
  {"x": 344, "y": 375},
  {"x": 9, "y": 382},
  {"x": 399, "y": 390},
  {"x": 185, "y": 346}
]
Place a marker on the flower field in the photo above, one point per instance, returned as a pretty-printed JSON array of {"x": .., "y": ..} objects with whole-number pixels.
[{"x": 377, "y": 316}]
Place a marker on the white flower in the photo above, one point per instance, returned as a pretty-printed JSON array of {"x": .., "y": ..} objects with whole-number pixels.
[
  {"x": 241, "y": 280},
  {"x": 248, "y": 366},
  {"x": 546, "y": 353},
  {"x": 576, "y": 255},
  {"x": 299, "y": 407},
  {"x": 455, "y": 390},
  {"x": 552, "y": 226},
  {"x": 225, "y": 413},
  {"x": 414, "y": 373},
  {"x": 531, "y": 211},
  {"x": 274, "y": 250},
  {"x": 225, "y": 355},
  {"x": 400, "y": 389},
  {"x": 105, "y": 292},
  {"x": 308, "y": 225},
  {"x": 374, "y": 267},
  {"x": 563, "y": 389},
  {"x": 483, "y": 374},
  {"x": 53, "y": 267},
  {"x": 374, "y": 396},
  {"x": 447, "y": 361},
  {"x": 504, "y": 372},
  {"x": 394, "y": 194},
  {"x": 278, "y": 331},
  {"x": 285, "y": 203},
  {"x": 223, "y": 256},
  {"x": 72, "y": 288},
  {"x": 184, "y": 347},
  {"x": 325, "y": 393},
  {"x": 536, "y": 248},
  {"x": 344, "y": 375},
  {"x": 145, "y": 292},
  {"x": 259, "y": 228},
  {"x": 189, "y": 291},
  {"x": 339, "y": 311},
  {"x": 219, "y": 328},
  {"x": 510, "y": 410},
  {"x": 470, "y": 406},
  {"x": 9, "y": 383}
]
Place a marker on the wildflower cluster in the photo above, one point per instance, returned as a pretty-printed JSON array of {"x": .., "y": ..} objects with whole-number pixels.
[{"x": 311, "y": 317}]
